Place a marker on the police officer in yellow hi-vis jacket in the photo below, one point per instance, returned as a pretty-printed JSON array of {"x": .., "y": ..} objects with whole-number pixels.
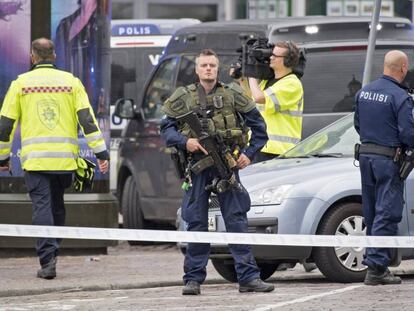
[
  {"x": 49, "y": 104},
  {"x": 280, "y": 102}
]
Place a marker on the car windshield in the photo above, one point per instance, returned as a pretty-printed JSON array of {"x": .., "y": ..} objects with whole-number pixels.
[{"x": 335, "y": 140}]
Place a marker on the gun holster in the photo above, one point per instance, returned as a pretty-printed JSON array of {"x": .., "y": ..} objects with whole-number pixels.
[
  {"x": 356, "y": 151},
  {"x": 407, "y": 163},
  {"x": 179, "y": 158}
]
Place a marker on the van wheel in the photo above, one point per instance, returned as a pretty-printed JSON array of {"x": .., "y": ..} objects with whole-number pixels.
[
  {"x": 225, "y": 268},
  {"x": 342, "y": 264},
  {"x": 131, "y": 209}
]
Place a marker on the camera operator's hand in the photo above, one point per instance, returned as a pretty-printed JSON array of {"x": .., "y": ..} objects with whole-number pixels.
[
  {"x": 193, "y": 145},
  {"x": 235, "y": 70},
  {"x": 257, "y": 93}
]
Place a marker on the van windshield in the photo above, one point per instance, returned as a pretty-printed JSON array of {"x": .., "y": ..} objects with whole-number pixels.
[{"x": 326, "y": 91}]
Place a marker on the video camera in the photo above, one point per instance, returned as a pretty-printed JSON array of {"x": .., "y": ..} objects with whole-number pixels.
[{"x": 254, "y": 60}]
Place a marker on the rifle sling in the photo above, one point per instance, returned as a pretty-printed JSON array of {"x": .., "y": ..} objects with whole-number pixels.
[{"x": 203, "y": 107}]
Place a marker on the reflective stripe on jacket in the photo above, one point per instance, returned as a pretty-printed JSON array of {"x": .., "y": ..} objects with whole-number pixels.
[
  {"x": 283, "y": 113},
  {"x": 49, "y": 104}
]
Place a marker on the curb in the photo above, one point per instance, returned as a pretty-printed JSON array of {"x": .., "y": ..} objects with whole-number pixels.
[{"x": 92, "y": 288}]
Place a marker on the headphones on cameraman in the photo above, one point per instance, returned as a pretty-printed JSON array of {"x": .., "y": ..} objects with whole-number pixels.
[{"x": 291, "y": 59}]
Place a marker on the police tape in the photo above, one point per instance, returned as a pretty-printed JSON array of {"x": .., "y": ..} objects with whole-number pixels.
[{"x": 206, "y": 237}]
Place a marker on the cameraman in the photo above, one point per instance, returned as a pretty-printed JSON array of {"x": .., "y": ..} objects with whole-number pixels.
[{"x": 280, "y": 101}]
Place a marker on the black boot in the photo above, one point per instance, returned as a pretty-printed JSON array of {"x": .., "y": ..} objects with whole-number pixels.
[
  {"x": 191, "y": 288},
  {"x": 256, "y": 285},
  {"x": 48, "y": 270},
  {"x": 375, "y": 277}
]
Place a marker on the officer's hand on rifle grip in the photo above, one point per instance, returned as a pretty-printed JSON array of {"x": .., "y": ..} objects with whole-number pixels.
[{"x": 193, "y": 145}]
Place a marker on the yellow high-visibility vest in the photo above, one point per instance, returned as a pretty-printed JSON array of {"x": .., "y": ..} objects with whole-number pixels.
[
  {"x": 282, "y": 112},
  {"x": 48, "y": 103}
]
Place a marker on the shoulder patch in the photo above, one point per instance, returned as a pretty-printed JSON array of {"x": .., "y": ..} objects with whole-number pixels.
[
  {"x": 242, "y": 102},
  {"x": 235, "y": 87},
  {"x": 177, "y": 94}
]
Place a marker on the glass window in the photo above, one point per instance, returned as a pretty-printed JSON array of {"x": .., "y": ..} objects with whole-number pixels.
[
  {"x": 187, "y": 75},
  {"x": 122, "y": 10},
  {"x": 160, "y": 88},
  {"x": 122, "y": 75},
  {"x": 203, "y": 12},
  {"x": 332, "y": 78}
]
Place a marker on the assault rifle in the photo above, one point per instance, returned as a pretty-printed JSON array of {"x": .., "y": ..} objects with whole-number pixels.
[{"x": 222, "y": 159}]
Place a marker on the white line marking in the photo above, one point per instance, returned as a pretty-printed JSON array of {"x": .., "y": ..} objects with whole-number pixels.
[{"x": 303, "y": 299}]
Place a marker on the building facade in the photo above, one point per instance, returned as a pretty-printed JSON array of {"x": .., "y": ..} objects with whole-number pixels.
[{"x": 212, "y": 10}]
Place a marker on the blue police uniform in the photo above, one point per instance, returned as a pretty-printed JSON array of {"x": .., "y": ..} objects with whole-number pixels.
[
  {"x": 234, "y": 205},
  {"x": 383, "y": 118}
]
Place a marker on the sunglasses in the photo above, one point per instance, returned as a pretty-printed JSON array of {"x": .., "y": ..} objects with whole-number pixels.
[{"x": 274, "y": 55}]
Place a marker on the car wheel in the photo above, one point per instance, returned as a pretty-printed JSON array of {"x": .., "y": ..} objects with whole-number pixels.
[
  {"x": 131, "y": 209},
  {"x": 342, "y": 264},
  {"x": 225, "y": 268}
]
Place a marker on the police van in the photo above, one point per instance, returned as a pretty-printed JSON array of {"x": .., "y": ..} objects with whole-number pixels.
[
  {"x": 136, "y": 47},
  {"x": 335, "y": 50}
]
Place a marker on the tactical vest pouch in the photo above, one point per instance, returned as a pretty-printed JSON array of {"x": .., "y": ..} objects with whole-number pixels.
[
  {"x": 202, "y": 164},
  {"x": 230, "y": 160},
  {"x": 219, "y": 122},
  {"x": 179, "y": 158},
  {"x": 230, "y": 121},
  {"x": 230, "y": 134}
]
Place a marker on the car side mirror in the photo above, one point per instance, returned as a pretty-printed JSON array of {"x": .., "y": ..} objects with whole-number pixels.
[{"x": 124, "y": 108}]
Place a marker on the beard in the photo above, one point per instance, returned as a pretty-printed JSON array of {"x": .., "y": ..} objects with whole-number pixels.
[{"x": 209, "y": 80}]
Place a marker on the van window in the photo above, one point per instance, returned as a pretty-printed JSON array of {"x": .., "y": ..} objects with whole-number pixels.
[
  {"x": 160, "y": 88},
  {"x": 122, "y": 75},
  {"x": 326, "y": 91},
  {"x": 186, "y": 74}
]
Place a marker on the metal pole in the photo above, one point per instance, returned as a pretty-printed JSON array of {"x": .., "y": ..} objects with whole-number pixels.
[{"x": 371, "y": 43}]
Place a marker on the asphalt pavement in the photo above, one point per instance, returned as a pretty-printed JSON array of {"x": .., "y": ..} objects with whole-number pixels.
[{"x": 124, "y": 267}]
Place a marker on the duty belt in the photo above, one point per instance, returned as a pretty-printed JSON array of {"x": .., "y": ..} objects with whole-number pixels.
[{"x": 368, "y": 148}]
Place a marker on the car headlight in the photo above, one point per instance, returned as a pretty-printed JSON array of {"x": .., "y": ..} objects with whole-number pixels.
[{"x": 271, "y": 195}]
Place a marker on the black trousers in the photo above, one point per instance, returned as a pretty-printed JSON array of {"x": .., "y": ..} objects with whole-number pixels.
[{"x": 46, "y": 192}]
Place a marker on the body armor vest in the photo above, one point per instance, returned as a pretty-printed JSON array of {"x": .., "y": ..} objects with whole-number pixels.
[{"x": 221, "y": 112}]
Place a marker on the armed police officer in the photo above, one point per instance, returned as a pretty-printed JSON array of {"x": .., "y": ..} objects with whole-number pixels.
[
  {"x": 48, "y": 103},
  {"x": 225, "y": 114},
  {"x": 280, "y": 101},
  {"x": 384, "y": 121}
]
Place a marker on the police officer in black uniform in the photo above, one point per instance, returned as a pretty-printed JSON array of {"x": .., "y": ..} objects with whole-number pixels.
[
  {"x": 385, "y": 123},
  {"x": 225, "y": 108}
]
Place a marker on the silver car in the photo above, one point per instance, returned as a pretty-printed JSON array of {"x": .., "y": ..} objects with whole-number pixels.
[{"x": 314, "y": 188}]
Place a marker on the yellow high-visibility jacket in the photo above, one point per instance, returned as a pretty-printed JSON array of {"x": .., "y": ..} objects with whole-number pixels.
[
  {"x": 282, "y": 112},
  {"x": 48, "y": 103}
]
